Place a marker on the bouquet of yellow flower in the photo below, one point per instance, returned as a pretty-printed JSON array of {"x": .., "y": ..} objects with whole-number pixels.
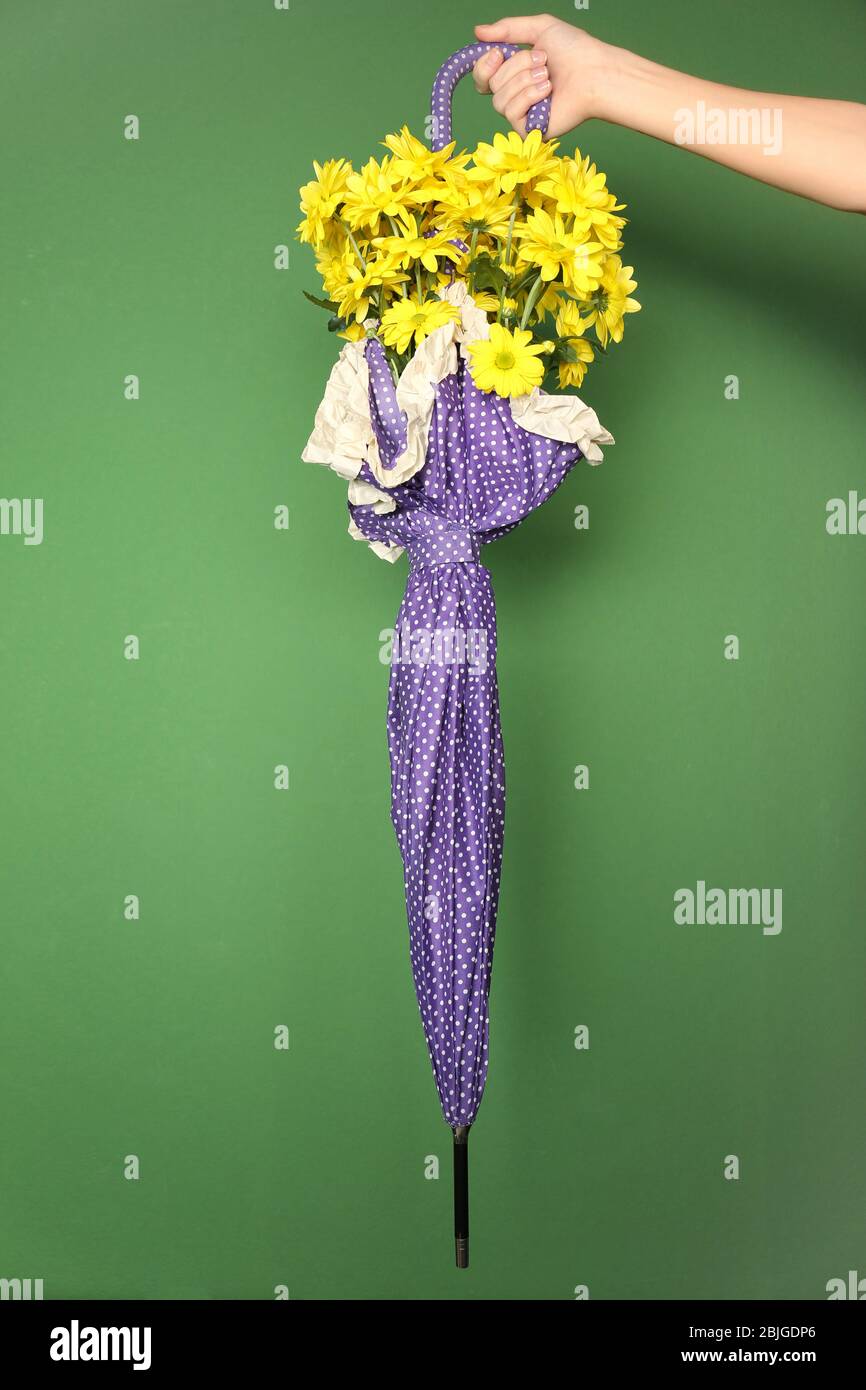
[{"x": 535, "y": 236}]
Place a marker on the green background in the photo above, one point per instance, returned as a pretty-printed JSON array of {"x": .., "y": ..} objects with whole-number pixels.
[{"x": 260, "y": 647}]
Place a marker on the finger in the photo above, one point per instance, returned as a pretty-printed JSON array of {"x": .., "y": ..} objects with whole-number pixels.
[
  {"x": 521, "y": 29},
  {"x": 516, "y": 109},
  {"x": 484, "y": 69},
  {"x": 514, "y": 99},
  {"x": 527, "y": 60}
]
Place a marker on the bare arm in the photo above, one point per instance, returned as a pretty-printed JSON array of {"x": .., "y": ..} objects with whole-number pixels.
[{"x": 807, "y": 145}]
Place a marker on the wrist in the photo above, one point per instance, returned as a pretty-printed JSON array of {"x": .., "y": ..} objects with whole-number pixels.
[{"x": 617, "y": 77}]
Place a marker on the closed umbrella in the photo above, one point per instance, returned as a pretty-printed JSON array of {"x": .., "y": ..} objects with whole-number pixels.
[{"x": 440, "y": 468}]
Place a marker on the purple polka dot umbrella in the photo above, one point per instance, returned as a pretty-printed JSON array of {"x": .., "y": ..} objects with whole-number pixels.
[{"x": 483, "y": 472}]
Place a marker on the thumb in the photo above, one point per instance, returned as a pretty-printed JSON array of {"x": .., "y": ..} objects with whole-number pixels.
[
  {"x": 520, "y": 29},
  {"x": 485, "y": 68}
]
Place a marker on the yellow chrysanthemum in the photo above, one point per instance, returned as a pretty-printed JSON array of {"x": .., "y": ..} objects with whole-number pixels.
[
  {"x": 572, "y": 373},
  {"x": 512, "y": 160},
  {"x": 586, "y": 267},
  {"x": 321, "y": 197},
  {"x": 376, "y": 192},
  {"x": 510, "y": 308},
  {"x": 413, "y": 160},
  {"x": 486, "y": 300},
  {"x": 362, "y": 283},
  {"x": 551, "y": 299},
  {"x": 476, "y": 207},
  {"x": 608, "y": 230},
  {"x": 612, "y": 300},
  {"x": 409, "y": 320},
  {"x": 353, "y": 331},
  {"x": 506, "y": 363},
  {"x": 333, "y": 262},
  {"x": 545, "y": 241},
  {"x": 571, "y": 327},
  {"x": 410, "y": 246},
  {"x": 576, "y": 187},
  {"x": 448, "y": 183}
]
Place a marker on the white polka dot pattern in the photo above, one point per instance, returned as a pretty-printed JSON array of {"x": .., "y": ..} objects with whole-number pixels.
[
  {"x": 481, "y": 476},
  {"x": 450, "y": 74}
]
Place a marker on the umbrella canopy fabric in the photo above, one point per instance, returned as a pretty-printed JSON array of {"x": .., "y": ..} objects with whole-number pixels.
[{"x": 483, "y": 474}]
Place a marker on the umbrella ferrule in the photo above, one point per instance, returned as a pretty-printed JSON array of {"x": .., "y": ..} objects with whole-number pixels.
[{"x": 461, "y": 1195}]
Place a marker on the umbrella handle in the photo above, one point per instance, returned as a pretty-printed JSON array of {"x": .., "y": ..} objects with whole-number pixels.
[{"x": 449, "y": 75}]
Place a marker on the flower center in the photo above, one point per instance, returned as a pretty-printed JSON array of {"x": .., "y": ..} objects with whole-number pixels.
[
  {"x": 504, "y": 361},
  {"x": 419, "y": 320}
]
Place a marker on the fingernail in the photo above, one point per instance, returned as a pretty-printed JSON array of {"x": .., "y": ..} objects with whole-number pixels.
[
  {"x": 540, "y": 76},
  {"x": 543, "y": 86},
  {"x": 539, "y": 57}
]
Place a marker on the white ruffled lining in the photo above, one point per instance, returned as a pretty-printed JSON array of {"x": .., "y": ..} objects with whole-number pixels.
[
  {"x": 565, "y": 418},
  {"x": 343, "y": 437},
  {"x": 364, "y": 493}
]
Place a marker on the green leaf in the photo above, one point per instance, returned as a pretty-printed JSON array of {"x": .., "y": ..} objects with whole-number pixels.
[
  {"x": 487, "y": 275},
  {"x": 320, "y": 303}
]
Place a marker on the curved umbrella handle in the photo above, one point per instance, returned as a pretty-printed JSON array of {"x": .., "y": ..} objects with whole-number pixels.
[{"x": 450, "y": 74}]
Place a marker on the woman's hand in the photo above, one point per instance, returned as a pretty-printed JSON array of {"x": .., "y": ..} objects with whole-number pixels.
[
  {"x": 812, "y": 146},
  {"x": 561, "y": 55}
]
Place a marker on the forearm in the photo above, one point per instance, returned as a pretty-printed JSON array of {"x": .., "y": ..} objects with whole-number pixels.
[{"x": 807, "y": 145}]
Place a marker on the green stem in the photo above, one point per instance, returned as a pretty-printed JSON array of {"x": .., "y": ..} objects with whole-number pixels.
[
  {"x": 395, "y": 229},
  {"x": 507, "y": 259},
  {"x": 473, "y": 242},
  {"x": 530, "y": 300},
  {"x": 510, "y": 231},
  {"x": 520, "y": 284},
  {"x": 418, "y": 282},
  {"x": 355, "y": 245}
]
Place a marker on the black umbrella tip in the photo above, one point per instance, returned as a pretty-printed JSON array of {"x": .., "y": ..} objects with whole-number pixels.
[{"x": 461, "y": 1195}]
